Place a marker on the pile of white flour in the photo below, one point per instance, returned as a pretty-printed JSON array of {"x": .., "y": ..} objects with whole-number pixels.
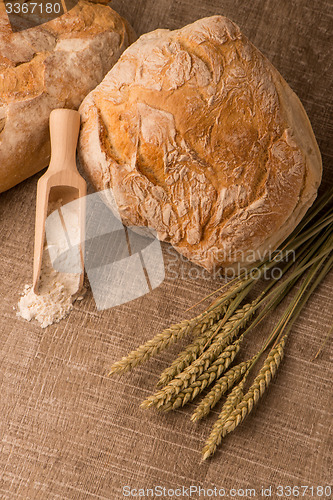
[{"x": 57, "y": 289}]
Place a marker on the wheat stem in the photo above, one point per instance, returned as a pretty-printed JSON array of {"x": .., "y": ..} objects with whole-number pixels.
[
  {"x": 318, "y": 205},
  {"x": 303, "y": 294},
  {"x": 235, "y": 411}
]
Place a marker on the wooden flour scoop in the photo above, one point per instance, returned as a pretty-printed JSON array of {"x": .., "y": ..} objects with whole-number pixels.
[{"x": 61, "y": 183}]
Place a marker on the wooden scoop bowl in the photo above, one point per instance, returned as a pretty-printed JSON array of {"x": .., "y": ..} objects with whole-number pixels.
[{"x": 61, "y": 181}]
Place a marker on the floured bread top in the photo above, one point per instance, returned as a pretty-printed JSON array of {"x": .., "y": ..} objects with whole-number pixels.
[
  {"x": 53, "y": 65},
  {"x": 26, "y": 67},
  {"x": 201, "y": 139}
]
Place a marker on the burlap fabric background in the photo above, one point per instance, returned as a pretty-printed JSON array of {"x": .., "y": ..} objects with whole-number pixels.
[{"x": 67, "y": 431}]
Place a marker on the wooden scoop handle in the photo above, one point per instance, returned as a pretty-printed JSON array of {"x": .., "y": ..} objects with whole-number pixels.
[
  {"x": 61, "y": 180},
  {"x": 64, "y": 131}
]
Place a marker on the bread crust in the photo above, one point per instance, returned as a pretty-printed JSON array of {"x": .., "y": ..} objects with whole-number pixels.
[
  {"x": 50, "y": 66},
  {"x": 202, "y": 140}
]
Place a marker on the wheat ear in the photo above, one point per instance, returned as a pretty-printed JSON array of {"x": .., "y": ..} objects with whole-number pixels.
[
  {"x": 219, "y": 366},
  {"x": 194, "y": 326},
  {"x": 190, "y": 354},
  {"x": 221, "y": 337},
  {"x": 238, "y": 405},
  {"x": 191, "y": 381},
  {"x": 221, "y": 386},
  {"x": 221, "y": 342}
]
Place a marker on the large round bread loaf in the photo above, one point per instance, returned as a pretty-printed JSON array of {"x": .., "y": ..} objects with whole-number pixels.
[
  {"x": 201, "y": 139},
  {"x": 53, "y": 65}
]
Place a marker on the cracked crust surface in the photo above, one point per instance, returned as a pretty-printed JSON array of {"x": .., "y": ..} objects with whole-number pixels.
[
  {"x": 201, "y": 139},
  {"x": 53, "y": 65}
]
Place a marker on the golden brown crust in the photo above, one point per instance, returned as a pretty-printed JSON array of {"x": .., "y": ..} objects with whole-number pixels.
[
  {"x": 50, "y": 66},
  {"x": 201, "y": 139}
]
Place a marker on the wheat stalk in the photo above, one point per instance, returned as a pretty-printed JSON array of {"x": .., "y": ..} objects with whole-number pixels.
[
  {"x": 235, "y": 410},
  {"x": 226, "y": 304},
  {"x": 169, "y": 336},
  {"x": 214, "y": 347},
  {"x": 238, "y": 405},
  {"x": 221, "y": 386},
  {"x": 191, "y": 373}
]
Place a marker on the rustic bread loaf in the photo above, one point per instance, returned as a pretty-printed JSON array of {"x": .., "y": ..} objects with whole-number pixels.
[
  {"x": 53, "y": 65},
  {"x": 201, "y": 139}
]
